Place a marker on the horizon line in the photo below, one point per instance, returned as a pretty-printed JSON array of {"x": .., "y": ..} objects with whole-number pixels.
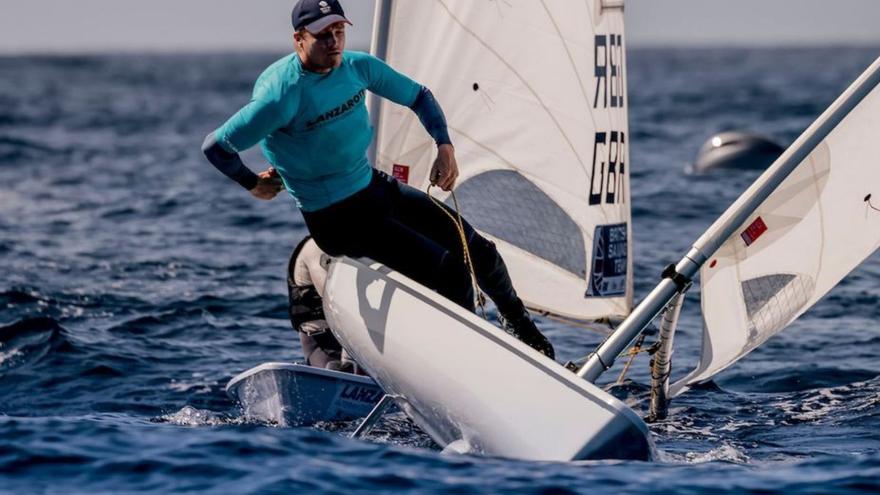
[{"x": 272, "y": 49}]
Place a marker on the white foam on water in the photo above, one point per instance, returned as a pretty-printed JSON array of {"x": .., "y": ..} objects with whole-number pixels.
[
  {"x": 4, "y": 356},
  {"x": 827, "y": 403},
  {"x": 723, "y": 453},
  {"x": 190, "y": 416},
  {"x": 680, "y": 425}
]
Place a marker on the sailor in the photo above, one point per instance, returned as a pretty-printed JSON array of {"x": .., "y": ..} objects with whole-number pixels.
[
  {"x": 306, "y": 274},
  {"x": 309, "y": 115}
]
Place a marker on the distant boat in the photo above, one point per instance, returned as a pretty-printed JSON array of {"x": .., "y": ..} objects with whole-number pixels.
[
  {"x": 540, "y": 128},
  {"x": 736, "y": 150}
]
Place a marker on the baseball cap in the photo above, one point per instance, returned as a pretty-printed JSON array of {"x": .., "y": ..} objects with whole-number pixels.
[{"x": 316, "y": 15}]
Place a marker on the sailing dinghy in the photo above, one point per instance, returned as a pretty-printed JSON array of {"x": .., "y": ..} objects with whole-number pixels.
[
  {"x": 800, "y": 228},
  {"x": 534, "y": 93},
  {"x": 540, "y": 129}
]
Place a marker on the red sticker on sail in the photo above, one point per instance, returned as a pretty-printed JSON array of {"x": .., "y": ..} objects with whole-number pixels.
[
  {"x": 751, "y": 234},
  {"x": 401, "y": 173}
]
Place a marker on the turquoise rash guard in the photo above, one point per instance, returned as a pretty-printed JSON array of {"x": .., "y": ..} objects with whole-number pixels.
[{"x": 314, "y": 128}]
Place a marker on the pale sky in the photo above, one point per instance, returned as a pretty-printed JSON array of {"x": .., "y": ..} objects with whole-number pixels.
[{"x": 200, "y": 25}]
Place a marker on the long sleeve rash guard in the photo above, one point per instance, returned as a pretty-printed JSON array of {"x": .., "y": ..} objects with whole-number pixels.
[{"x": 314, "y": 128}]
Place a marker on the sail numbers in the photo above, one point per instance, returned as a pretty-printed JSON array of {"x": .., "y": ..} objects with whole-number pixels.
[
  {"x": 608, "y": 56},
  {"x": 609, "y": 147},
  {"x": 609, "y": 168}
]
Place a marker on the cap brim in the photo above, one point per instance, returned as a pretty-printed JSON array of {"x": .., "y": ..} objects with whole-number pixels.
[{"x": 322, "y": 23}]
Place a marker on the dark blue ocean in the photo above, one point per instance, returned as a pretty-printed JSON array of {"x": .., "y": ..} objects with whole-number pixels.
[{"x": 135, "y": 281}]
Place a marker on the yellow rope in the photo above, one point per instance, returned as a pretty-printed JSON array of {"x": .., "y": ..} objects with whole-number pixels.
[
  {"x": 459, "y": 225},
  {"x": 633, "y": 352},
  {"x": 481, "y": 298}
]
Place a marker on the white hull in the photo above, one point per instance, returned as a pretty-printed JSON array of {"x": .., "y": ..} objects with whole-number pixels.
[
  {"x": 468, "y": 383},
  {"x": 298, "y": 395}
]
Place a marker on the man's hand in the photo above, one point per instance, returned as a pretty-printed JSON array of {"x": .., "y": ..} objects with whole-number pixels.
[
  {"x": 445, "y": 169},
  {"x": 268, "y": 184}
]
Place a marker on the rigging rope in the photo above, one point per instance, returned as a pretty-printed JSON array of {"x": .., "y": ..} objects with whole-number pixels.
[
  {"x": 633, "y": 352},
  {"x": 481, "y": 298},
  {"x": 459, "y": 225}
]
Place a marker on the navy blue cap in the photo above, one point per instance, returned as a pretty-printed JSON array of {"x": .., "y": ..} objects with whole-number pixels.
[{"x": 315, "y": 15}]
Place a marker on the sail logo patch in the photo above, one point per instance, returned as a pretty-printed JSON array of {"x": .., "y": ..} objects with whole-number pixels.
[
  {"x": 610, "y": 260},
  {"x": 400, "y": 172},
  {"x": 754, "y": 231}
]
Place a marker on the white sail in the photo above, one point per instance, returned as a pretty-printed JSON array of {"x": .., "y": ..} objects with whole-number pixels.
[
  {"x": 816, "y": 227},
  {"x": 534, "y": 93}
]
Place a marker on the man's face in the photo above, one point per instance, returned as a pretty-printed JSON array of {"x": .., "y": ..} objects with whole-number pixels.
[{"x": 323, "y": 51}]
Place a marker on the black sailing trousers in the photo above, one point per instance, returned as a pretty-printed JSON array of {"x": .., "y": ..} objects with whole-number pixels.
[{"x": 402, "y": 228}]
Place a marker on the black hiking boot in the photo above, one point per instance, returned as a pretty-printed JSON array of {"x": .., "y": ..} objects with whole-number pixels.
[{"x": 523, "y": 328}]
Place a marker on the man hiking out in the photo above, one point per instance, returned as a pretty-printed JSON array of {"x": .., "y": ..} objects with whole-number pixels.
[{"x": 309, "y": 115}]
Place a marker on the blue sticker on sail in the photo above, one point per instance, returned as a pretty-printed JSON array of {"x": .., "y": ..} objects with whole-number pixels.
[{"x": 608, "y": 269}]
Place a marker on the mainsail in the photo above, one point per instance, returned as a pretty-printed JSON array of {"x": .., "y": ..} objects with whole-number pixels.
[
  {"x": 534, "y": 93},
  {"x": 811, "y": 231}
]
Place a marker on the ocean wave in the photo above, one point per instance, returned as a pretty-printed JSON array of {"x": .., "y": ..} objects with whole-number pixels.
[
  {"x": 802, "y": 378},
  {"x": 33, "y": 302},
  {"x": 21, "y": 296},
  {"x": 836, "y": 405},
  {"x": 13, "y": 150},
  {"x": 26, "y": 341}
]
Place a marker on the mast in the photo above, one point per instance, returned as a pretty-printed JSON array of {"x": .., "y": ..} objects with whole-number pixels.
[
  {"x": 677, "y": 279},
  {"x": 379, "y": 48}
]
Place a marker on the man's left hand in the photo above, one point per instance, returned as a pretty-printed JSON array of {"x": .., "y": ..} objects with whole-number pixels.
[{"x": 445, "y": 169}]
